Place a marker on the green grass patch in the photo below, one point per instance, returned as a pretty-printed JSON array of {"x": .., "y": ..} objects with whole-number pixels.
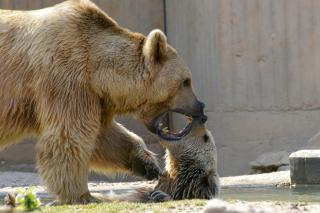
[{"x": 126, "y": 207}]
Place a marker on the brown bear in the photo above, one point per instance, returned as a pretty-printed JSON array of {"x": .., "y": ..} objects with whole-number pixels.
[{"x": 66, "y": 72}]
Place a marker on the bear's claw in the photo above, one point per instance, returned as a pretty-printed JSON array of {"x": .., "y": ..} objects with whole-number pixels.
[
  {"x": 84, "y": 199},
  {"x": 159, "y": 196}
]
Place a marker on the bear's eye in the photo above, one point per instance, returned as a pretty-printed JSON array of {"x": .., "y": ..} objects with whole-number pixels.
[
  {"x": 205, "y": 138},
  {"x": 187, "y": 83}
]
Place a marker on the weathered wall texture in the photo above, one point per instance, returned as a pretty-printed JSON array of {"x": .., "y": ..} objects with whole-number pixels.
[{"x": 255, "y": 63}]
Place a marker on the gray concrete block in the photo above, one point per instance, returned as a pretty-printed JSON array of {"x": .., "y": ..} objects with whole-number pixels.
[{"x": 305, "y": 167}]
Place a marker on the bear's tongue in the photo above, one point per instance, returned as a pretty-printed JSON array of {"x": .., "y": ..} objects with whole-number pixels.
[{"x": 166, "y": 134}]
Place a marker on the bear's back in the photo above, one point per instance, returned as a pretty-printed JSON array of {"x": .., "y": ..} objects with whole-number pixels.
[
  {"x": 41, "y": 49},
  {"x": 63, "y": 15}
]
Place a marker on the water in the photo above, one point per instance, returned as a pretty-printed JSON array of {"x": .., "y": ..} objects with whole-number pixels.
[{"x": 294, "y": 194}]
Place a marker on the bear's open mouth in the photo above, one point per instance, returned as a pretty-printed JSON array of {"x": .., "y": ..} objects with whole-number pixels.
[{"x": 165, "y": 133}]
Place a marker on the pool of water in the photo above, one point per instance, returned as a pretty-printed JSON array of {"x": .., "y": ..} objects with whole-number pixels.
[{"x": 289, "y": 194}]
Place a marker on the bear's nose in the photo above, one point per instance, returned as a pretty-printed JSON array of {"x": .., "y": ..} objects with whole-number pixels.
[
  {"x": 203, "y": 119},
  {"x": 200, "y": 107}
]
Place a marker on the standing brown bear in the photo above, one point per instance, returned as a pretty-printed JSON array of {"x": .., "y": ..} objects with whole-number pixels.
[{"x": 66, "y": 72}]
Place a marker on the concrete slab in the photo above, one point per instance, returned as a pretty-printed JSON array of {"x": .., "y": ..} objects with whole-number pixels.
[
  {"x": 273, "y": 179},
  {"x": 305, "y": 167}
]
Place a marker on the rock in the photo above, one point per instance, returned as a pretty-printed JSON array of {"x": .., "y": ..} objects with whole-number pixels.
[
  {"x": 270, "y": 162},
  {"x": 305, "y": 167},
  {"x": 284, "y": 168},
  {"x": 272, "y": 179},
  {"x": 219, "y": 206}
]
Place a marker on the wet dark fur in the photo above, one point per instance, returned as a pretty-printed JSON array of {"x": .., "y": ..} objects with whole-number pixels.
[{"x": 191, "y": 170}]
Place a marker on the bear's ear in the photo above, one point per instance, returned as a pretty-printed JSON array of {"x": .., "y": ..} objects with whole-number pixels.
[{"x": 155, "y": 46}]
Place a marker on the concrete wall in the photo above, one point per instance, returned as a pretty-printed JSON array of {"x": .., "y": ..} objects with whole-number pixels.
[{"x": 255, "y": 64}]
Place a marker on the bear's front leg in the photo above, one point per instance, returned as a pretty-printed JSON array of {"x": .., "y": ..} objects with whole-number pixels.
[
  {"x": 63, "y": 163},
  {"x": 70, "y": 123},
  {"x": 119, "y": 150}
]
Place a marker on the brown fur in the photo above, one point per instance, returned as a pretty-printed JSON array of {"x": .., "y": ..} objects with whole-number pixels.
[{"x": 65, "y": 72}]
